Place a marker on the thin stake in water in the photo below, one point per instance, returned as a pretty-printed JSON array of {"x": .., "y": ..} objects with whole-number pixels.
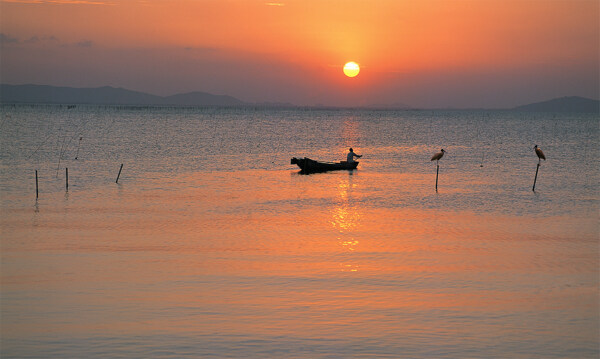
[
  {"x": 437, "y": 172},
  {"x": 60, "y": 155},
  {"x": 67, "y": 179},
  {"x": 77, "y": 154},
  {"x": 119, "y": 175},
  {"x": 36, "y": 185},
  {"x": 536, "y": 173},
  {"x": 437, "y": 158}
]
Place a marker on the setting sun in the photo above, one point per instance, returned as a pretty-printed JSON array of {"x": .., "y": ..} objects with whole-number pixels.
[{"x": 351, "y": 69}]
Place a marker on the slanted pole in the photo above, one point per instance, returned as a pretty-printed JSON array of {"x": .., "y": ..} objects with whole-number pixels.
[
  {"x": 536, "y": 173},
  {"x": 77, "y": 155},
  {"x": 119, "y": 175},
  {"x": 436, "y": 176}
]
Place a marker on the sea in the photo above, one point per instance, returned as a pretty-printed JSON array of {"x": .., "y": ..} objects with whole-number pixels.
[{"x": 159, "y": 232}]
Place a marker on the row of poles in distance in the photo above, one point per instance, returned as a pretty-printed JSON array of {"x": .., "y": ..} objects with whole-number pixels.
[
  {"x": 436, "y": 157},
  {"x": 439, "y": 155},
  {"x": 37, "y": 192}
]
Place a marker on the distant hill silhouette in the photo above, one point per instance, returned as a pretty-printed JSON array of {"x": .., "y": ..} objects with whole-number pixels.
[
  {"x": 106, "y": 96},
  {"x": 563, "y": 104},
  {"x": 43, "y": 94}
]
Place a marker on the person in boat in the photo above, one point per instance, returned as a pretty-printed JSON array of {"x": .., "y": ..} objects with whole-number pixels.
[{"x": 351, "y": 155}]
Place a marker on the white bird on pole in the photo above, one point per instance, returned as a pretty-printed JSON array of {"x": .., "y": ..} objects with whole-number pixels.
[
  {"x": 539, "y": 153},
  {"x": 438, "y": 155}
]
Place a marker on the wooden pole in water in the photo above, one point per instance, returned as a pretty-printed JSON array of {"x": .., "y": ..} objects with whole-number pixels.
[
  {"x": 536, "y": 173},
  {"x": 36, "y": 185},
  {"x": 436, "y": 158},
  {"x": 67, "y": 179},
  {"x": 119, "y": 175},
  {"x": 77, "y": 155},
  {"x": 436, "y": 176},
  {"x": 60, "y": 156}
]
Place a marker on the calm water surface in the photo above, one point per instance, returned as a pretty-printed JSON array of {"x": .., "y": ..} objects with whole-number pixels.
[{"x": 212, "y": 244}]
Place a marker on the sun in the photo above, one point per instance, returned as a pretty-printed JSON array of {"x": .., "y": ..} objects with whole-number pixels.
[{"x": 351, "y": 69}]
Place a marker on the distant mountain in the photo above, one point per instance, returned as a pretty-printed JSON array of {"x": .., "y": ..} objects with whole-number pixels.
[
  {"x": 563, "y": 104},
  {"x": 43, "y": 94},
  {"x": 106, "y": 96}
]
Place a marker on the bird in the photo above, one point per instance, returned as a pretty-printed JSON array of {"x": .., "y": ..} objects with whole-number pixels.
[
  {"x": 438, "y": 155},
  {"x": 539, "y": 153}
]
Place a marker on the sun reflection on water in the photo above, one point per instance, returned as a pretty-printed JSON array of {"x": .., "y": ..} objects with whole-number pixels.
[
  {"x": 346, "y": 215},
  {"x": 346, "y": 218}
]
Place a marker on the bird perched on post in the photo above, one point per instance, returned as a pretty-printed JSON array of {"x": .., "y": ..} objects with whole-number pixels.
[
  {"x": 539, "y": 153},
  {"x": 438, "y": 155}
]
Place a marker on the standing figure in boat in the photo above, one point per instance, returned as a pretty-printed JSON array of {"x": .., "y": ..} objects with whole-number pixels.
[{"x": 351, "y": 155}]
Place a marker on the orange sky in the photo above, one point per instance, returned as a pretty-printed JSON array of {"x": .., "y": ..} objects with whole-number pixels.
[{"x": 424, "y": 53}]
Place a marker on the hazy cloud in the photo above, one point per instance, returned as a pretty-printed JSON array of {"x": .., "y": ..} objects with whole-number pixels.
[
  {"x": 5, "y": 39},
  {"x": 38, "y": 39},
  {"x": 85, "y": 43},
  {"x": 61, "y": 2},
  {"x": 34, "y": 40},
  {"x": 201, "y": 50}
]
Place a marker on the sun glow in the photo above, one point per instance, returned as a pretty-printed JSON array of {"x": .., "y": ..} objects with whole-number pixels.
[{"x": 351, "y": 69}]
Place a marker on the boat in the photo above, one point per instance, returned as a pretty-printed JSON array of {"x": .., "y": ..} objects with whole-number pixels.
[{"x": 311, "y": 166}]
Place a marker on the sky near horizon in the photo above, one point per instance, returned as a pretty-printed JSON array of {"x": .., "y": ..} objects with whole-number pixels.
[{"x": 427, "y": 53}]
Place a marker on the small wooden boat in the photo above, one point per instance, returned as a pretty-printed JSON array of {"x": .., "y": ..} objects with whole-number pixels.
[{"x": 311, "y": 166}]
